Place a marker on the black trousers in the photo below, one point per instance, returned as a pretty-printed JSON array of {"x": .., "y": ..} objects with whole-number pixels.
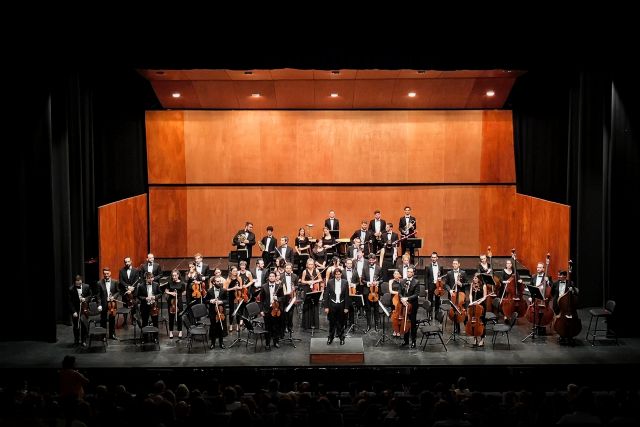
[
  {"x": 145, "y": 312},
  {"x": 414, "y": 328},
  {"x": 111, "y": 320},
  {"x": 218, "y": 329},
  {"x": 79, "y": 333},
  {"x": 337, "y": 319},
  {"x": 288, "y": 316},
  {"x": 173, "y": 319},
  {"x": 272, "y": 325}
]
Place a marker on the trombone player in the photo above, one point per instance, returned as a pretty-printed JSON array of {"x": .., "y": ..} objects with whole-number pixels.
[{"x": 244, "y": 240}]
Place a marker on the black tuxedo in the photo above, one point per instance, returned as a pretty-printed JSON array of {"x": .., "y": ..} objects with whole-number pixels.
[
  {"x": 218, "y": 329},
  {"x": 144, "y": 268},
  {"x": 145, "y": 307},
  {"x": 131, "y": 279},
  {"x": 364, "y": 279},
  {"x": 411, "y": 291},
  {"x": 336, "y": 224},
  {"x": 287, "y": 253},
  {"x": 389, "y": 250},
  {"x": 73, "y": 301},
  {"x": 367, "y": 241},
  {"x": 450, "y": 281},
  {"x": 114, "y": 289},
  {"x": 248, "y": 245},
  {"x": 555, "y": 293},
  {"x": 288, "y": 316},
  {"x": 272, "y": 324},
  {"x": 405, "y": 245},
  {"x": 269, "y": 250},
  {"x": 205, "y": 271},
  {"x": 372, "y": 225},
  {"x": 431, "y": 279},
  {"x": 336, "y": 306}
]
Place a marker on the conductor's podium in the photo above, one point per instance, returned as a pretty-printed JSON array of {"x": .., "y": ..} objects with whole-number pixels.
[{"x": 351, "y": 353}]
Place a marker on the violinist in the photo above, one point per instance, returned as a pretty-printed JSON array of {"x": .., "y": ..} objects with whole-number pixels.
[
  {"x": 311, "y": 280},
  {"x": 303, "y": 249},
  {"x": 478, "y": 291},
  {"x": 365, "y": 235},
  {"x": 247, "y": 278},
  {"x": 174, "y": 298},
  {"x": 409, "y": 292},
  {"x": 353, "y": 279},
  {"x": 335, "y": 264},
  {"x": 78, "y": 293},
  {"x": 201, "y": 267},
  {"x": 109, "y": 291},
  {"x": 354, "y": 248},
  {"x": 234, "y": 285},
  {"x": 147, "y": 293},
  {"x": 336, "y": 303},
  {"x": 216, "y": 296},
  {"x": 434, "y": 271},
  {"x": 150, "y": 266},
  {"x": 285, "y": 251},
  {"x": 319, "y": 254},
  {"x": 289, "y": 284},
  {"x": 455, "y": 281},
  {"x": 371, "y": 279},
  {"x": 195, "y": 283},
  {"x": 394, "y": 288},
  {"x": 407, "y": 226},
  {"x": 127, "y": 278},
  {"x": 560, "y": 288},
  {"x": 328, "y": 242},
  {"x": 268, "y": 245},
  {"x": 390, "y": 244},
  {"x": 483, "y": 265},
  {"x": 244, "y": 240},
  {"x": 377, "y": 227},
  {"x": 272, "y": 293}
]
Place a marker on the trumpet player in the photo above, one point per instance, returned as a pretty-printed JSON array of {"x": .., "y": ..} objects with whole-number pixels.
[
  {"x": 268, "y": 245},
  {"x": 244, "y": 240},
  {"x": 407, "y": 225}
]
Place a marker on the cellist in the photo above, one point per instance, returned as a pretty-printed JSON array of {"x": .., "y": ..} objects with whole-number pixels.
[
  {"x": 394, "y": 288},
  {"x": 479, "y": 290},
  {"x": 409, "y": 292},
  {"x": 454, "y": 282}
]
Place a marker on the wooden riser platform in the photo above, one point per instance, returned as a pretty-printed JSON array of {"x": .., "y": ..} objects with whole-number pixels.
[{"x": 351, "y": 353}]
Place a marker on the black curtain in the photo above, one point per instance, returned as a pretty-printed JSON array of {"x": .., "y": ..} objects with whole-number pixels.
[
  {"x": 80, "y": 143},
  {"x": 574, "y": 144}
]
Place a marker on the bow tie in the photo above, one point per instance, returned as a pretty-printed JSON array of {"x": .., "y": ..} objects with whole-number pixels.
[
  {"x": 348, "y": 269},
  {"x": 107, "y": 280},
  {"x": 271, "y": 286},
  {"x": 288, "y": 274},
  {"x": 150, "y": 264},
  {"x": 259, "y": 269}
]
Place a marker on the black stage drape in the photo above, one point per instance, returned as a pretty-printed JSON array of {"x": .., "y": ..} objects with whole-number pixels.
[
  {"x": 575, "y": 144},
  {"x": 80, "y": 142}
]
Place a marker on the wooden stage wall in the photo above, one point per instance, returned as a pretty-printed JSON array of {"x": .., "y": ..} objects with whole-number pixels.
[{"x": 123, "y": 232}]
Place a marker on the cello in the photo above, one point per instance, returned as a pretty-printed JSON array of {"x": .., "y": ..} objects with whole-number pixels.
[
  {"x": 474, "y": 325},
  {"x": 541, "y": 308},
  {"x": 567, "y": 323},
  {"x": 458, "y": 313},
  {"x": 512, "y": 300}
]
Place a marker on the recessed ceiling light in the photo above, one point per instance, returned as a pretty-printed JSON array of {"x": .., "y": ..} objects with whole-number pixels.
[
  {"x": 248, "y": 73},
  {"x": 176, "y": 94},
  {"x": 255, "y": 95},
  {"x": 490, "y": 92},
  {"x": 334, "y": 95},
  {"x": 411, "y": 94},
  {"x": 335, "y": 71}
]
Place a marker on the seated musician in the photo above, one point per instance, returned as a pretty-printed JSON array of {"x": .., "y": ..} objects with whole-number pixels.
[{"x": 319, "y": 255}]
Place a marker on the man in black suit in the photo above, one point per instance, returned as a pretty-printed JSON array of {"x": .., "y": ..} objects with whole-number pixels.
[
  {"x": 336, "y": 303},
  {"x": 128, "y": 277},
  {"x": 561, "y": 287},
  {"x": 269, "y": 243},
  {"x": 148, "y": 292},
  {"x": 409, "y": 292},
  {"x": 333, "y": 225},
  {"x": 371, "y": 276},
  {"x": 390, "y": 244},
  {"x": 271, "y": 291},
  {"x": 289, "y": 285},
  {"x": 109, "y": 292},
  {"x": 285, "y": 251},
  {"x": 377, "y": 227},
  {"x": 260, "y": 276},
  {"x": 78, "y": 292},
  {"x": 434, "y": 271},
  {"x": 366, "y": 237},
  {"x": 201, "y": 267},
  {"x": 455, "y": 281},
  {"x": 244, "y": 240},
  {"x": 150, "y": 267},
  {"x": 218, "y": 328},
  {"x": 407, "y": 227},
  {"x": 353, "y": 279}
]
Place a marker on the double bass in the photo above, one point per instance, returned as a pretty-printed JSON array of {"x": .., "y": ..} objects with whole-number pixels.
[
  {"x": 567, "y": 323},
  {"x": 497, "y": 283},
  {"x": 512, "y": 295},
  {"x": 541, "y": 308},
  {"x": 475, "y": 326}
]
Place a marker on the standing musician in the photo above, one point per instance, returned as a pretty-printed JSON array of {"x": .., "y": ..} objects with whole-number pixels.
[
  {"x": 245, "y": 275},
  {"x": 360, "y": 263},
  {"x": 354, "y": 248},
  {"x": 303, "y": 249},
  {"x": 127, "y": 278},
  {"x": 109, "y": 291},
  {"x": 366, "y": 237},
  {"x": 433, "y": 271},
  {"x": 371, "y": 276},
  {"x": 477, "y": 291},
  {"x": 335, "y": 265},
  {"x": 272, "y": 293},
  {"x": 78, "y": 293},
  {"x": 289, "y": 284},
  {"x": 268, "y": 245},
  {"x": 560, "y": 288},
  {"x": 333, "y": 224},
  {"x": 455, "y": 281},
  {"x": 201, "y": 267},
  {"x": 409, "y": 292},
  {"x": 285, "y": 251},
  {"x": 353, "y": 279},
  {"x": 216, "y": 296},
  {"x": 483, "y": 266},
  {"x": 328, "y": 242},
  {"x": 174, "y": 300},
  {"x": 231, "y": 285},
  {"x": 390, "y": 245},
  {"x": 150, "y": 266},
  {"x": 336, "y": 303},
  {"x": 148, "y": 292},
  {"x": 260, "y": 276},
  {"x": 319, "y": 255},
  {"x": 377, "y": 227},
  {"x": 311, "y": 282},
  {"x": 244, "y": 240},
  {"x": 194, "y": 278},
  {"x": 407, "y": 226},
  {"x": 394, "y": 288}
]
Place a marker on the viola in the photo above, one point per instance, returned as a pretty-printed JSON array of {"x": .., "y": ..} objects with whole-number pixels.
[
  {"x": 196, "y": 287},
  {"x": 373, "y": 293},
  {"x": 155, "y": 310},
  {"x": 352, "y": 289},
  {"x": 173, "y": 307},
  {"x": 567, "y": 323},
  {"x": 439, "y": 290},
  {"x": 112, "y": 307},
  {"x": 84, "y": 308},
  {"x": 275, "y": 309}
]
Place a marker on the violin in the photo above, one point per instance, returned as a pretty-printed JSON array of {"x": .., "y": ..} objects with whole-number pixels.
[
  {"x": 84, "y": 308},
  {"x": 439, "y": 290},
  {"x": 196, "y": 287},
  {"x": 352, "y": 289},
  {"x": 275, "y": 309},
  {"x": 373, "y": 293},
  {"x": 155, "y": 310},
  {"x": 567, "y": 323},
  {"x": 219, "y": 312},
  {"x": 112, "y": 307},
  {"x": 173, "y": 307}
]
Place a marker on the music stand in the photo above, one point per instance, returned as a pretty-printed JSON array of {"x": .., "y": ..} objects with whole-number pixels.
[
  {"x": 357, "y": 302},
  {"x": 313, "y": 298},
  {"x": 383, "y": 337},
  {"x": 535, "y": 295}
]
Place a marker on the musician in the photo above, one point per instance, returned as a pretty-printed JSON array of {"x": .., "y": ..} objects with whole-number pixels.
[
  {"x": 483, "y": 265},
  {"x": 333, "y": 224},
  {"x": 407, "y": 226},
  {"x": 319, "y": 254},
  {"x": 353, "y": 279},
  {"x": 150, "y": 266},
  {"x": 303, "y": 249},
  {"x": 328, "y": 242},
  {"x": 272, "y": 292},
  {"x": 478, "y": 290},
  {"x": 394, "y": 288},
  {"x": 540, "y": 280},
  {"x": 561, "y": 287},
  {"x": 390, "y": 244},
  {"x": 377, "y": 227},
  {"x": 245, "y": 274},
  {"x": 148, "y": 293},
  {"x": 285, "y": 251},
  {"x": 244, "y": 240},
  {"x": 260, "y": 277},
  {"x": 311, "y": 282},
  {"x": 201, "y": 267},
  {"x": 433, "y": 271},
  {"x": 78, "y": 292},
  {"x": 109, "y": 291},
  {"x": 174, "y": 292},
  {"x": 360, "y": 263},
  {"x": 231, "y": 285},
  {"x": 371, "y": 275},
  {"x": 128, "y": 277},
  {"x": 403, "y": 265},
  {"x": 353, "y": 248},
  {"x": 218, "y": 328},
  {"x": 366, "y": 237},
  {"x": 455, "y": 281},
  {"x": 409, "y": 292},
  {"x": 507, "y": 271},
  {"x": 268, "y": 245},
  {"x": 336, "y": 303},
  {"x": 289, "y": 284},
  {"x": 335, "y": 264},
  {"x": 194, "y": 279}
]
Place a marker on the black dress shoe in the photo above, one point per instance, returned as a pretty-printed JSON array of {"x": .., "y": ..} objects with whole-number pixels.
[
  {"x": 404, "y": 344},
  {"x": 276, "y": 345},
  {"x": 342, "y": 341},
  {"x": 222, "y": 346},
  {"x": 329, "y": 341},
  {"x": 413, "y": 345},
  {"x": 212, "y": 346}
]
